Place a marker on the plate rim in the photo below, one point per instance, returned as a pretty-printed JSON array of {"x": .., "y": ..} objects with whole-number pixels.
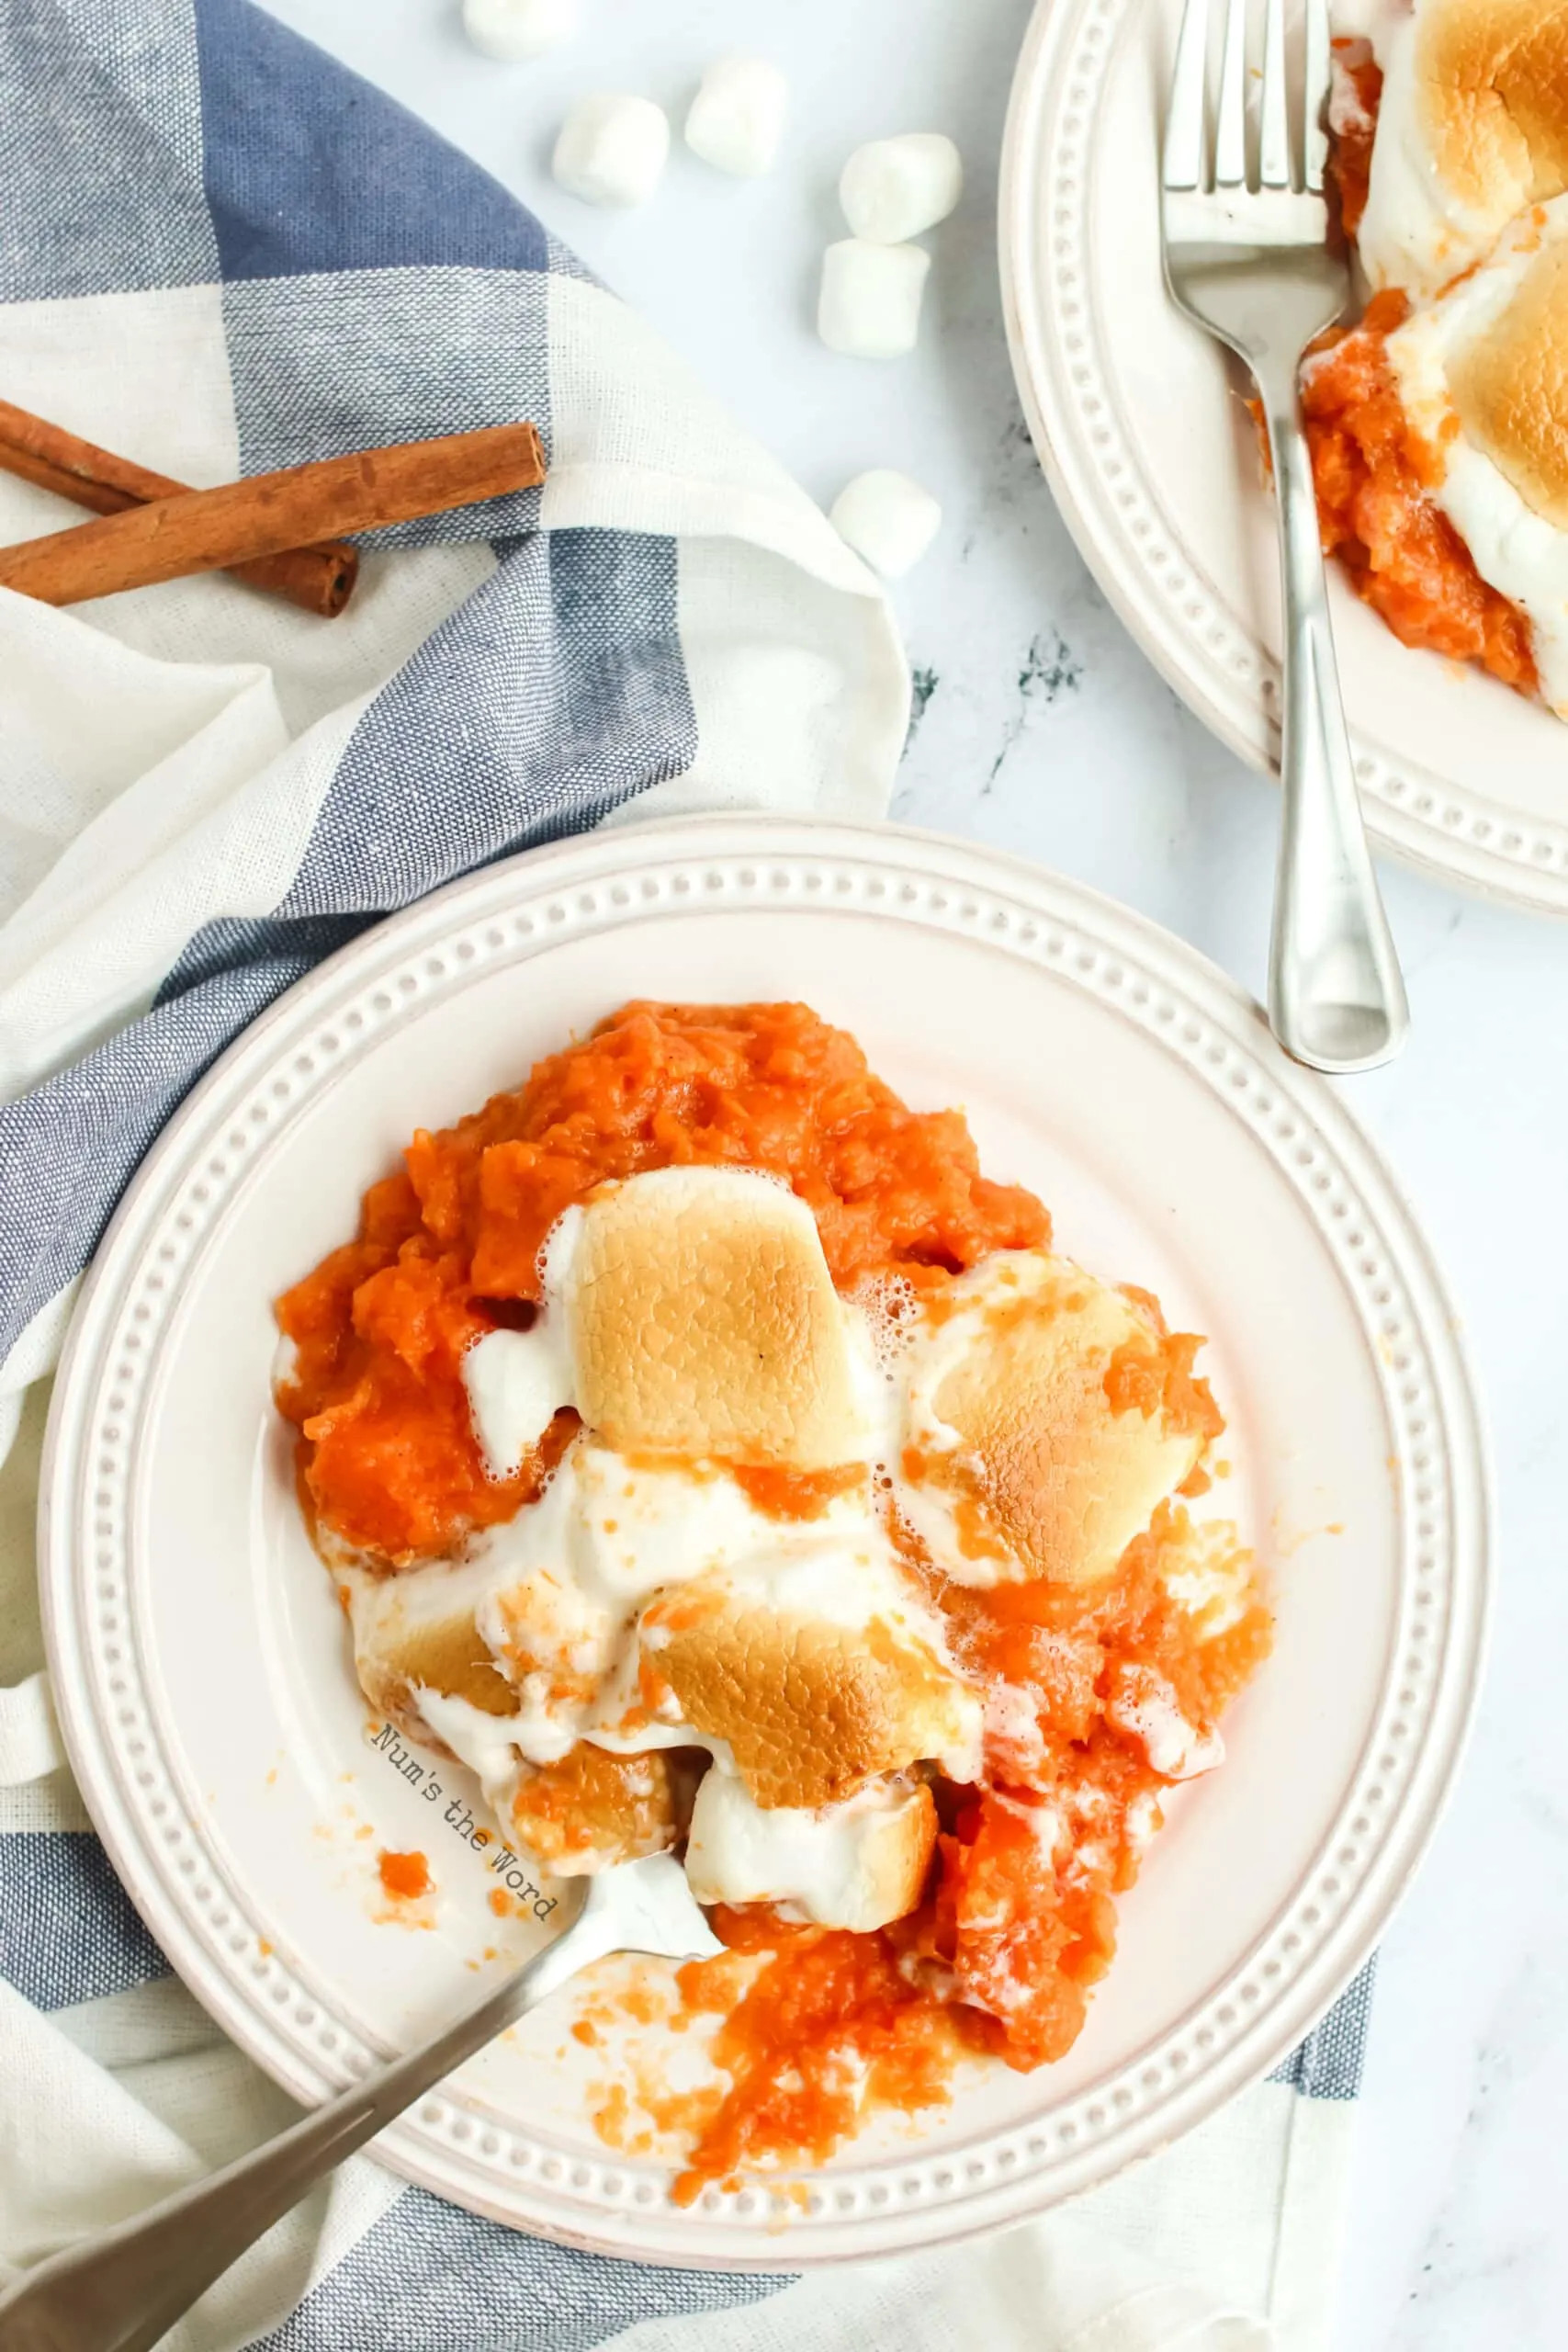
[
  {"x": 634, "y": 852},
  {"x": 1425, "y": 819}
]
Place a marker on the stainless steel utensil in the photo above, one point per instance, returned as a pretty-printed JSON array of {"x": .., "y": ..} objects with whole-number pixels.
[
  {"x": 123, "y": 2291},
  {"x": 1247, "y": 258}
]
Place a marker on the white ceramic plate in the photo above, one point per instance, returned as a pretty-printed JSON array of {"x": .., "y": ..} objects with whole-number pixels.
[
  {"x": 1154, "y": 462},
  {"x": 201, "y": 1666}
]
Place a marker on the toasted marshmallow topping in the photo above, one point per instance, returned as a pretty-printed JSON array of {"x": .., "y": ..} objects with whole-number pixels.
[
  {"x": 615, "y": 1610},
  {"x": 646, "y": 1602},
  {"x": 1013, "y": 1462},
  {"x": 544, "y": 1610},
  {"x": 1478, "y": 373},
  {"x": 420, "y": 1630},
  {"x": 854, "y": 1865},
  {"x": 687, "y": 1312},
  {"x": 704, "y": 1321},
  {"x": 593, "y": 1809},
  {"x": 819, "y": 1670},
  {"x": 518, "y": 1380},
  {"x": 484, "y": 1743},
  {"x": 1473, "y": 126}
]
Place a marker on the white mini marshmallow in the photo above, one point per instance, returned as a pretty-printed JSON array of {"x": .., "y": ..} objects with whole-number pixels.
[
  {"x": 612, "y": 149},
  {"x": 894, "y": 188},
  {"x": 513, "y": 30},
  {"x": 738, "y": 115},
  {"x": 870, "y": 305},
  {"x": 887, "y": 518}
]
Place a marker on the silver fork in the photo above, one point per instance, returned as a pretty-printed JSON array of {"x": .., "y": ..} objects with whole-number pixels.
[
  {"x": 123, "y": 2291},
  {"x": 1246, "y": 258}
]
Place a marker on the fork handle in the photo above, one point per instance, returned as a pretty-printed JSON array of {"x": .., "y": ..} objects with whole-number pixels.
[
  {"x": 1337, "y": 999},
  {"x": 123, "y": 2291}
]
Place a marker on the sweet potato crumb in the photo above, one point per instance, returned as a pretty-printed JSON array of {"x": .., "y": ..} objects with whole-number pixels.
[{"x": 405, "y": 1877}]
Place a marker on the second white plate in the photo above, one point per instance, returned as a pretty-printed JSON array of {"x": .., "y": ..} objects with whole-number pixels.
[{"x": 1138, "y": 420}]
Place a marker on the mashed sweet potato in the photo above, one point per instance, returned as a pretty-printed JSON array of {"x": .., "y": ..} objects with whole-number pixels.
[
  {"x": 1374, "y": 474},
  {"x": 449, "y": 1247},
  {"x": 819, "y": 2026}
]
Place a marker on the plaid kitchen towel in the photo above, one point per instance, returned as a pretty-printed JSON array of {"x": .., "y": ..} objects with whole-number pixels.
[{"x": 220, "y": 253}]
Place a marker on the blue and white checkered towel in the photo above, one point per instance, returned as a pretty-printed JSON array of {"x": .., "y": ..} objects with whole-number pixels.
[{"x": 220, "y": 253}]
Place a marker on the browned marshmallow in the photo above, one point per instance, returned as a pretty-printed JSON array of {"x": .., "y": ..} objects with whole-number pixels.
[
  {"x": 399, "y": 1652},
  {"x": 703, "y": 1323},
  {"x": 593, "y": 1809},
  {"x": 1018, "y": 1465},
  {"x": 1493, "y": 82},
  {"x": 810, "y": 1708},
  {"x": 1510, "y": 387}
]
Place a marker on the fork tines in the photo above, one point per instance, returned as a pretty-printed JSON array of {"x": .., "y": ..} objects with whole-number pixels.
[{"x": 1187, "y": 161}]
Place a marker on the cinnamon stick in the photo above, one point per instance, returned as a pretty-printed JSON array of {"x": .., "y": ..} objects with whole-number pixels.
[
  {"x": 203, "y": 530},
  {"x": 320, "y": 579}
]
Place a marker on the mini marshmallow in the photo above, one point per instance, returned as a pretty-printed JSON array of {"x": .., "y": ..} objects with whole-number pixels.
[
  {"x": 738, "y": 115},
  {"x": 887, "y": 518},
  {"x": 870, "y": 304},
  {"x": 612, "y": 149},
  {"x": 513, "y": 30},
  {"x": 894, "y": 188}
]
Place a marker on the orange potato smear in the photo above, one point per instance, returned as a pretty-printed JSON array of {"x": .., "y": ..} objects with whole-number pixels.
[
  {"x": 449, "y": 1248},
  {"x": 794, "y": 1494},
  {"x": 1023, "y": 1946},
  {"x": 1374, "y": 473},
  {"x": 829, "y": 2028},
  {"x": 1351, "y": 154},
  {"x": 405, "y": 1877},
  {"x": 1140, "y": 1381}
]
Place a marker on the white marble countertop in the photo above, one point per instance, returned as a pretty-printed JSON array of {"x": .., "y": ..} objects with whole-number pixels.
[{"x": 1045, "y": 731}]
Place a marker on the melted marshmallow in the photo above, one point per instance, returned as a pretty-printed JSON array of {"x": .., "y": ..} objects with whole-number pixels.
[
  {"x": 1210, "y": 1578},
  {"x": 1415, "y": 231},
  {"x": 568, "y": 1578},
  {"x": 557, "y": 1594},
  {"x": 1522, "y": 555},
  {"x": 518, "y": 1380},
  {"x": 841, "y": 1865},
  {"x": 560, "y": 1594},
  {"x": 1175, "y": 1748},
  {"x": 929, "y": 1356}
]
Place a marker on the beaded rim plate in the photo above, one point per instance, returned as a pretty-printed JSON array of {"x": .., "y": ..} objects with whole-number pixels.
[
  {"x": 1151, "y": 456},
  {"x": 200, "y": 1664}
]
